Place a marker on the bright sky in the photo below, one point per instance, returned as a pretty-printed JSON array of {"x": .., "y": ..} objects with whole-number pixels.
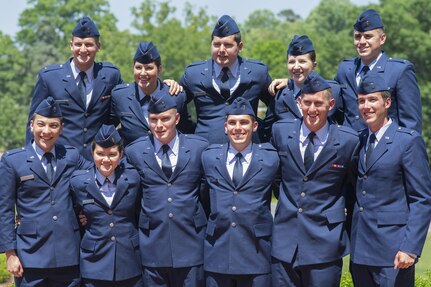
[{"x": 9, "y": 12}]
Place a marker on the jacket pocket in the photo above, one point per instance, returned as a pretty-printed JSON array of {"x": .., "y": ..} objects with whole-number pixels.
[
  {"x": 262, "y": 229},
  {"x": 336, "y": 215},
  {"x": 391, "y": 218},
  {"x": 27, "y": 228}
]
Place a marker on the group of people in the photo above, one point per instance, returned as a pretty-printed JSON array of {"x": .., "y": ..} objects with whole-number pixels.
[{"x": 117, "y": 186}]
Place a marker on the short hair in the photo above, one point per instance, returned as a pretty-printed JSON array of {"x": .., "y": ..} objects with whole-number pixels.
[
  {"x": 385, "y": 95},
  {"x": 236, "y": 37},
  {"x": 312, "y": 56},
  {"x": 34, "y": 115},
  {"x": 120, "y": 145},
  {"x": 157, "y": 61}
]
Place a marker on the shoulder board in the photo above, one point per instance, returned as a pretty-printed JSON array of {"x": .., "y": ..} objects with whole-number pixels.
[
  {"x": 266, "y": 146},
  {"x": 286, "y": 121},
  {"x": 398, "y": 60},
  {"x": 347, "y": 129},
  {"x": 52, "y": 67},
  {"x": 406, "y": 131},
  {"x": 198, "y": 63},
  {"x": 350, "y": 59},
  {"x": 140, "y": 139},
  {"x": 215, "y": 146},
  {"x": 121, "y": 86},
  {"x": 106, "y": 65},
  {"x": 14, "y": 151},
  {"x": 195, "y": 137},
  {"x": 254, "y": 61},
  {"x": 80, "y": 172}
]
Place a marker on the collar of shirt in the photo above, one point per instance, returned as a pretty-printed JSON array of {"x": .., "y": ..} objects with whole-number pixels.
[
  {"x": 246, "y": 154},
  {"x": 379, "y": 134},
  {"x": 321, "y": 134},
  {"x": 76, "y": 71},
  {"x": 142, "y": 94},
  {"x": 371, "y": 65},
  {"x": 101, "y": 178},
  {"x": 173, "y": 144},
  {"x": 233, "y": 70},
  {"x": 296, "y": 90},
  {"x": 40, "y": 152}
]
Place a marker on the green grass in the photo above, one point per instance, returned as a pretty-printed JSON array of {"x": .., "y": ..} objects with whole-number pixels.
[{"x": 4, "y": 275}]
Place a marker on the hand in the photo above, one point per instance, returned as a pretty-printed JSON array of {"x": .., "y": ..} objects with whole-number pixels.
[
  {"x": 276, "y": 85},
  {"x": 403, "y": 260},
  {"x": 82, "y": 218},
  {"x": 13, "y": 264},
  {"x": 174, "y": 87}
]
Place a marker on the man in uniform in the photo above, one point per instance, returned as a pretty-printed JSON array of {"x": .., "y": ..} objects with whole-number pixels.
[
  {"x": 393, "y": 194},
  {"x": 81, "y": 86},
  {"x": 213, "y": 84},
  {"x": 172, "y": 218},
  {"x": 317, "y": 161},
  {"x": 399, "y": 74},
  {"x": 240, "y": 175},
  {"x": 43, "y": 249}
]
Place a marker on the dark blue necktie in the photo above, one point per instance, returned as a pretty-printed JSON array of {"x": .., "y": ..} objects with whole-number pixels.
[
  {"x": 224, "y": 86},
  {"x": 82, "y": 87},
  {"x": 371, "y": 145},
  {"x": 237, "y": 170},
  {"x": 363, "y": 73},
  {"x": 309, "y": 152},
  {"x": 166, "y": 163},
  {"x": 49, "y": 166}
]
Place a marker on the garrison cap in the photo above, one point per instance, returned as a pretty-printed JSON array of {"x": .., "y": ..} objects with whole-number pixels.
[
  {"x": 49, "y": 108},
  {"x": 146, "y": 53},
  {"x": 85, "y": 28},
  {"x": 372, "y": 83},
  {"x": 368, "y": 20},
  {"x": 225, "y": 26},
  {"x": 240, "y": 106},
  {"x": 314, "y": 83},
  {"x": 160, "y": 103},
  {"x": 107, "y": 136},
  {"x": 300, "y": 45}
]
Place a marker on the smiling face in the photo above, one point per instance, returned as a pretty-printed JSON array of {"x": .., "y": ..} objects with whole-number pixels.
[
  {"x": 146, "y": 76},
  {"x": 368, "y": 44},
  {"x": 106, "y": 159},
  {"x": 225, "y": 50},
  {"x": 84, "y": 51},
  {"x": 45, "y": 131},
  {"x": 315, "y": 108},
  {"x": 299, "y": 67},
  {"x": 239, "y": 129},
  {"x": 374, "y": 109},
  {"x": 163, "y": 125}
]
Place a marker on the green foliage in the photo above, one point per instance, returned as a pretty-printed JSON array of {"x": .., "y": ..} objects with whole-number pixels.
[{"x": 4, "y": 275}]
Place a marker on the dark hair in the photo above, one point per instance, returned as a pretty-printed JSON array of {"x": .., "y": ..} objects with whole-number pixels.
[
  {"x": 312, "y": 56},
  {"x": 157, "y": 61},
  {"x": 120, "y": 146},
  {"x": 237, "y": 37},
  {"x": 34, "y": 115},
  {"x": 385, "y": 95}
]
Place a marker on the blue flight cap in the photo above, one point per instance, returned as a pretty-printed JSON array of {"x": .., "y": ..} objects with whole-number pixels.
[
  {"x": 225, "y": 26},
  {"x": 240, "y": 106},
  {"x": 314, "y": 83},
  {"x": 372, "y": 83},
  {"x": 49, "y": 108},
  {"x": 85, "y": 28},
  {"x": 161, "y": 102},
  {"x": 368, "y": 20},
  {"x": 300, "y": 45},
  {"x": 146, "y": 53},
  {"x": 107, "y": 136}
]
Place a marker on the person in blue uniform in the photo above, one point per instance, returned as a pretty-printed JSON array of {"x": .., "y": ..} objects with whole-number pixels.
[
  {"x": 81, "y": 86},
  {"x": 109, "y": 194},
  {"x": 213, "y": 84},
  {"x": 399, "y": 74},
  {"x": 240, "y": 175},
  {"x": 43, "y": 249},
  {"x": 393, "y": 194},
  {"x": 172, "y": 219},
  {"x": 130, "y": 101},
  {"x": 318, "y": 161},
  {"x": 301, "y": 61}
]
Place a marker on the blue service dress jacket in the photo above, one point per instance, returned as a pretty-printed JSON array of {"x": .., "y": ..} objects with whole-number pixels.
[
  {"x": 80, "y": 123},
  {"x": 48, "y": 233},
  {"x": 310, "y": 214},
  {"x": 197, "y": 81},
  {"x": 238, "y": 234},
  {"x": 393, "y": 192},
  {"x": 172, "y": 219},
  {"x": 125, "y": 107},
  {"x": 110, "y": 244},
  {"x": 399, "y": 74}
]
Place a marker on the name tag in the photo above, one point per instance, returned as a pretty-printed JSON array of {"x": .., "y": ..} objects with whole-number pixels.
[
  {"x": 87, "y": 201},
  {"x": 26, "y": 177},
  {"x": 199, "y": 94},
  {"x": 282, "y": 153}
]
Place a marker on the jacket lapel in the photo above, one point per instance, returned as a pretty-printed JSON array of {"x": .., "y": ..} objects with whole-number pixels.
[
  {"x": 135, "y": 107},
  {"x": 363, "y": 136},
  {"x": 328, "y": 151},
  {"x": 122, "y": 185},
  {"x": 244, "y": 84},
  {"x": 98, "y": 87},
  {"x": 183, "y": 157},
  {"x": 60, "y": 156},
  {"x": 150, "y": 159},
  {"x": 70, "y": 84},
  {"x": 91, "y": 187},
  {"x": 293, "y": 146},
  {"x": 35, "y": 164},
  {"x": 220, "y": 165},
  {"x": 382, "y": 146},
  {"x": 254, "y": 167}
]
